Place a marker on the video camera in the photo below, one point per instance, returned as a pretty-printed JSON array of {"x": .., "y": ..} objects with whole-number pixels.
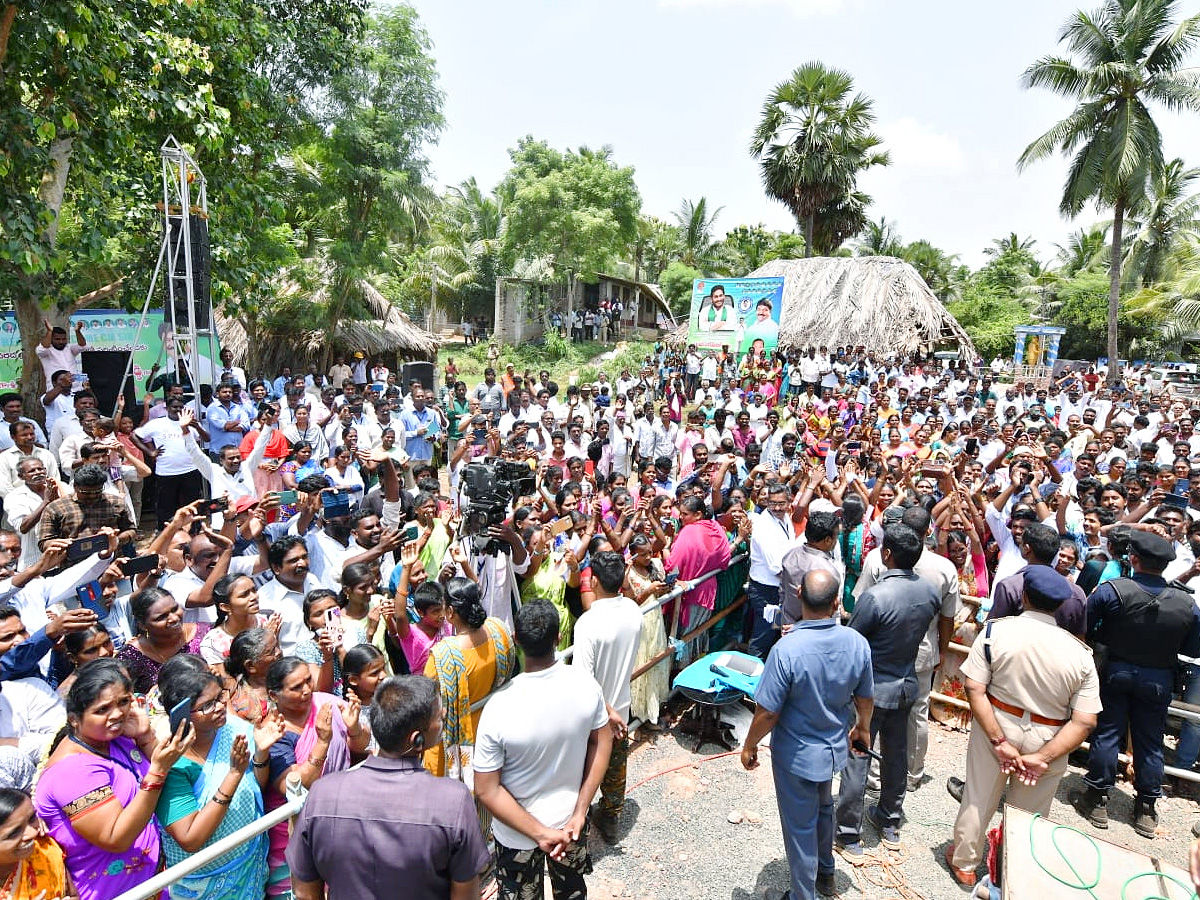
[{"x": 491, "y": 487}]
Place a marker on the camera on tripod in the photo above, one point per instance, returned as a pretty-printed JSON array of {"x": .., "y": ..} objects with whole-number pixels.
[{"x": 491, "y": 488}]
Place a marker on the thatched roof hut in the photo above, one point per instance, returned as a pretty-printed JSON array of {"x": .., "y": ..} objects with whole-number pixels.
[
  {"x": 879, "y": 302},
  {"x": 391, "y": 333}
]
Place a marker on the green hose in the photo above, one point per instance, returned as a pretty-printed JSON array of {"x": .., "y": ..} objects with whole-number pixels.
[{"x": 1083, "y": 884}]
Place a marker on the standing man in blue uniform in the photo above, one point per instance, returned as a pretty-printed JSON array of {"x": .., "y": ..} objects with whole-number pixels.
[
  {"x": 817, "y": 678},
  {"x": 1140, "y": 625}
]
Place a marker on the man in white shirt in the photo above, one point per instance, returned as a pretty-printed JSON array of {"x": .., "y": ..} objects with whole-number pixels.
[
  {"x": 13, "y": 409},
  {"x": 207, "y": 557},
  {"x": 179, "y": 481},
  {"x": 664, "y": 434},
  {"x": 772, "y": 536},
  {"x": 541, "y": 750},
  {"x": 56, "y": 352},
  {"x": 56, "y": 402},
  {"x": 22, "y": 435},
  {"x": 284, "y": 594},
  {"x": 230, "y": 373},
  {"x": 607, "y": 636},
  {"x": 24, "y": 505}
]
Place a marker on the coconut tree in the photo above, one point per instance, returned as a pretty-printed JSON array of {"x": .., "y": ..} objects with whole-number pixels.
[
  {"x": 1124, "y": 57},
  {"x": 1168, "y": 212},
  {"x": 1085, "y": 249},
  {"x": 879, "y": 239},
  {"x": 812, "y": 142},
  {"x": 696, "y": 231}
]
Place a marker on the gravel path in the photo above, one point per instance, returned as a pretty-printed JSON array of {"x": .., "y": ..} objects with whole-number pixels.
[{"x": 677, "y": 840}]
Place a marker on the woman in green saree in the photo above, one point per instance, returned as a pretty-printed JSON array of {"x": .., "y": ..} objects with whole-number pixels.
[{"x": 208, "y": 793}]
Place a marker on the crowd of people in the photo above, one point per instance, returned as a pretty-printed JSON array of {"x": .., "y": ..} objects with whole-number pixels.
[{"x": 325, "y": 585}]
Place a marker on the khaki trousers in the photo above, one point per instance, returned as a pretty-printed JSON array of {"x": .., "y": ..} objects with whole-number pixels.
[{"x": 986, "y": 783}]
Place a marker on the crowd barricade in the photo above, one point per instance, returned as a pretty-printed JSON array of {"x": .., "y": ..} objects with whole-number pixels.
[{"x": 206, "y": 855}]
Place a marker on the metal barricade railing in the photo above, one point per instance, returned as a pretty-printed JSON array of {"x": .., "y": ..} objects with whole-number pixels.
[{"x": 206, "y": 855}]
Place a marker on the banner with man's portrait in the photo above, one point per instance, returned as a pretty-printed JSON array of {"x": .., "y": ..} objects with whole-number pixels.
[{"x": 737, "y": 312}]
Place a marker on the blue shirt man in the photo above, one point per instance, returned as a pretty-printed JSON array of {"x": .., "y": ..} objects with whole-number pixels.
[
  {"x": 817, "y": 679},
  {"x": 228, "y": 422},
  {"x": 420, "y": 428}
]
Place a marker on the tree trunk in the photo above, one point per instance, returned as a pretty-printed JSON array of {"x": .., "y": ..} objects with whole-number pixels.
[
  {"x": 6, "y": 23},
  {"x": 54, "y": 183},
  {"x": 809, "y": 222},
  {"x": 29, "y": 311},
  {"x": 1114, "y": 291}
]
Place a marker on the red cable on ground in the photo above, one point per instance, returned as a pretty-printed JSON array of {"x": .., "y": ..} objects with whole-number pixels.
[{"x": 687, "y": 765}]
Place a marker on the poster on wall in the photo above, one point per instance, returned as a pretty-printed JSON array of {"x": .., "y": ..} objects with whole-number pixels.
[
  {"x": 112, "y": 331},
  {"x": 737, "y": 312}
]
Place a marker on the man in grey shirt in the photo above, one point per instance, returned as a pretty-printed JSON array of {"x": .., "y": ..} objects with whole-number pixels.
[
  {"x": 893, "y": 615},
  {"x": 489, "y": 394},
  {"x": 353, "y": 837},
  {"x": 820, "y": 536}
]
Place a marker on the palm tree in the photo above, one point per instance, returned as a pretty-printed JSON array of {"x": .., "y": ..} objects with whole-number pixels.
[
  {"x": 696, "y": 231},
  {"x": 1125, "y": 55},
  {"x": 1168, "y": 212},
  {"x": 813, "y": 141},
  {"x": 938, "y": 270},
  {"x": 1085, "y": 249},
  {"x": 879, "y": 239},
  {"x": 1011, "y": 244}
]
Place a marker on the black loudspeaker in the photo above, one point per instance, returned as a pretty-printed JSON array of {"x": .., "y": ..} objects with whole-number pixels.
[
  {"x": 201, "y": 271},
  {"x": 419, "y": 371}
]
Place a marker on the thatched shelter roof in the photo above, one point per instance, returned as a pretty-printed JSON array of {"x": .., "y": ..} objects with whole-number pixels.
[
  {"x": 879, "y": 302},
  {"x": 390, "y": 332}
]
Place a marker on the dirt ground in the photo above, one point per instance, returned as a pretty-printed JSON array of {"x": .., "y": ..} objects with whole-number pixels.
[{"x": 678, "y": 840}]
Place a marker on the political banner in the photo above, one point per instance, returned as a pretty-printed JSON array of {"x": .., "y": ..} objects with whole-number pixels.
[
  {"x": 737, "y": 312},
  {"x": 112, "y": 331}
]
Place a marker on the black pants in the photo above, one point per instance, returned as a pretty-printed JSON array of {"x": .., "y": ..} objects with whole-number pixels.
[{"x": 175, "y": 491}]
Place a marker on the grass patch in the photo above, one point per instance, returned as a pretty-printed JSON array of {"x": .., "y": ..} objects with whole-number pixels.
[{"x": 559, "y": 356}]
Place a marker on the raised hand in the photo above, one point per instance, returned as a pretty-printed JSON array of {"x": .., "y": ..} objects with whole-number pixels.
[
  {"x": 350, "y": 712},
  {"x": 268, "y": 731},
  {"x": 324, "y": 723},
  {"x": 239, "y": 754}
]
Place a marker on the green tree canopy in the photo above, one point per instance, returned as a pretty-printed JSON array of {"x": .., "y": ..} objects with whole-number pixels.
[{"x": 578, "y": 207}]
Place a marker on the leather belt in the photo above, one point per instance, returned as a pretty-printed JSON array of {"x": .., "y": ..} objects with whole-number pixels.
[{"x": 1020, "y": 713}]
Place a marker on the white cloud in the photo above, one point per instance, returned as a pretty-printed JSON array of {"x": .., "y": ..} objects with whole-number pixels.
[
  {"x": 802, "y": 8},
  {"x": 916, "y": 146}
]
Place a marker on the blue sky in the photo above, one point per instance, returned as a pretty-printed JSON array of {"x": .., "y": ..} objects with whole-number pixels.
[{"x": 676, "y": 87}]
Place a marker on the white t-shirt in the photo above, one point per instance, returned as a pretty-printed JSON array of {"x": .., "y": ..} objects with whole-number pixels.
[
  {"x": 535, "y": 733},
  {"x": 30, "y": 712},
  {"x": 606, "y": 644},
  {"x": 60, "y": 406},
  {"x": 167, "y": 437},
  {"x": 181, "y": 585},
  {"x": 55, "y": 360}
]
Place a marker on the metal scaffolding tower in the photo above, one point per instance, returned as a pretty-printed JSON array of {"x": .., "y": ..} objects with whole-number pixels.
[{"x": 185, "y": 215}]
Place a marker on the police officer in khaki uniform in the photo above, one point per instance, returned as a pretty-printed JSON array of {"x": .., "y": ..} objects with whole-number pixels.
[{"x": 1034, "y": 697}]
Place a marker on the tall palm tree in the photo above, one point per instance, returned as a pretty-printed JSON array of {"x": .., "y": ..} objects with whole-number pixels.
[
  {"x": 696, "y": 231},
  {"x": 1124, "y": 56},
  {"x": 812, "y": 142},
  {"x": 1169, "y": 211}
]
